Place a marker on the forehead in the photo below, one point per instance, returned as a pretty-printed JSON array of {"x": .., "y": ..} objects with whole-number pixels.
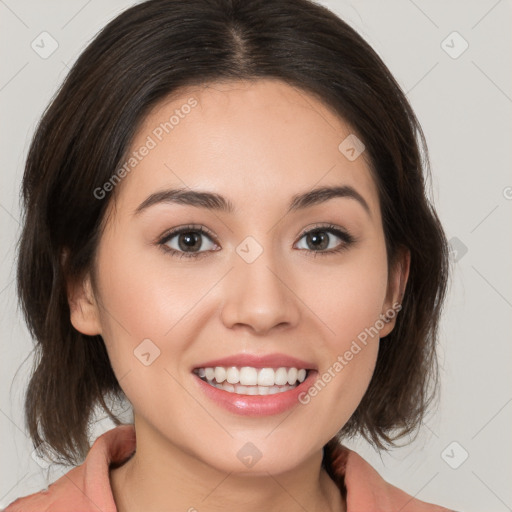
[{"x": 255, "y": 142}]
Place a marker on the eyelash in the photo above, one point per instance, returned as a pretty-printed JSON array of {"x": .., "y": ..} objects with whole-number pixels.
[{"x": 345, "y": 236}]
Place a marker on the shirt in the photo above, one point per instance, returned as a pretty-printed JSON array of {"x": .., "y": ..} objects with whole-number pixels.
[{"x": 86, "y": 488}]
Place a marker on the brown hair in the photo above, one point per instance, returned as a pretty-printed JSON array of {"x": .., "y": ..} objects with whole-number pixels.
[{"x": 143, "y": 55}]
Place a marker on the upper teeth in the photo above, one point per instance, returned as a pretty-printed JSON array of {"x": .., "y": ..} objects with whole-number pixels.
[{"x": 250, "y": 376}]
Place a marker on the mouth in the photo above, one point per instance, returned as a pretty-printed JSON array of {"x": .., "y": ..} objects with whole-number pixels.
[{"x": 249, "y": 380}]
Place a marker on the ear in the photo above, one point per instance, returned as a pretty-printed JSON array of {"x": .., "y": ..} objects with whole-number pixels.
[
  {"x": 84, "y": 310},
  {"x": 83, "y": 307},
  {"x": 397, "y": 282}
]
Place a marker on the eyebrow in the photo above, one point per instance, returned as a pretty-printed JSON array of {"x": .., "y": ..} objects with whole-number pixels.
[{"x": 214, "y": 201}]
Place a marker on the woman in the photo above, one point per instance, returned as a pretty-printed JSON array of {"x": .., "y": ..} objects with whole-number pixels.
[{"x": 226, "y": 224}]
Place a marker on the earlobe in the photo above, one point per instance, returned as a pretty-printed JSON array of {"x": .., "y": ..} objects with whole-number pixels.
[
  {"x": 84, "y": 313},
  {"x": 396, "y": 289}
]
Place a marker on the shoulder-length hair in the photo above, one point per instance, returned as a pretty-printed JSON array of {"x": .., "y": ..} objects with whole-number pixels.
[{"x": 143, "y": 55}]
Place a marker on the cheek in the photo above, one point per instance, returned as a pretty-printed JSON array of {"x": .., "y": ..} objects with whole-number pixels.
[
  {"x": 150, "y": 305},
  {"x": 140, "y": 320},
  {"x": 347, "y": 297},
  {"x": 348, "y": 300},
  {"x": 144, "y": 293},
  {"x": 135, "y": 305}
]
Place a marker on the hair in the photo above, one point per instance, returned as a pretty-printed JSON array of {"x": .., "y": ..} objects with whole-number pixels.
[{"x": 138, "y": 59}]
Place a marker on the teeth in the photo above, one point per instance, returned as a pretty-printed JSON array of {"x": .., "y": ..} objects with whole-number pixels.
[
  {"x": 228, "y": 387},
  {"x": 220, "y": 374},
  {"x": 292, "y": 375},
  {"x": 251, "y": 390},
  {"x": 249, "y": 376},
  {"x": 233, "y": 375},
  {"x": 266, "y": 377},
  {"x": 281, "y": 377}
]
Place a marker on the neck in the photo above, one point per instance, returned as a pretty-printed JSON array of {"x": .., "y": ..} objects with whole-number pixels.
[{"x": 162, "y": 478}]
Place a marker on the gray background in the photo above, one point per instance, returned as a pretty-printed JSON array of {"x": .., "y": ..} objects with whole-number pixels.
[{"x": 464, "y": 103}]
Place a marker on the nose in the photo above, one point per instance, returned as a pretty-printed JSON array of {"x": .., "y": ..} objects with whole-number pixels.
[{"x": 259, "y": 295}]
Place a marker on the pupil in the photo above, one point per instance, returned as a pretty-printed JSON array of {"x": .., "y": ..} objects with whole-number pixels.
[
  {"x": 190, "y": 241},
  {"x": 320, "y": 237}
]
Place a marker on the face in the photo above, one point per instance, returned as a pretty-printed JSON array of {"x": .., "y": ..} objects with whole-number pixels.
[{"x": 270, "y": 276}]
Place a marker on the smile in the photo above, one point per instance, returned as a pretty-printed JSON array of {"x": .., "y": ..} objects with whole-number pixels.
[{"x": 248, "y": 380}]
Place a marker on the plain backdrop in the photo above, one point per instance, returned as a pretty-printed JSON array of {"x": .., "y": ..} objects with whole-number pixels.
[{"x": 453, "y": 59}]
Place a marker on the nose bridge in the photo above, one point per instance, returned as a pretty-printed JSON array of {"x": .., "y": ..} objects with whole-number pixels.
[{"x": 257, "y": 293}]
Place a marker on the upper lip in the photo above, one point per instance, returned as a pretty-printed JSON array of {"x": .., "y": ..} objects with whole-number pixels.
[{"x": 259, "y": 361}]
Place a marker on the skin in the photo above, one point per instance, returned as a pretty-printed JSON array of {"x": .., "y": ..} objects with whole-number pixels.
[{"x": 256, "y": 143}]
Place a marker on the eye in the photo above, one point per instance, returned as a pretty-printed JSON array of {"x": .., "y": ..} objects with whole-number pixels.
[
  {"x": 320, "y": 240},
  {"x": 187, "y": 241}
]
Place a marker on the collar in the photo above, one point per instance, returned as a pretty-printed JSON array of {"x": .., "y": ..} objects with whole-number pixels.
[{"x": 86, "y": 488}]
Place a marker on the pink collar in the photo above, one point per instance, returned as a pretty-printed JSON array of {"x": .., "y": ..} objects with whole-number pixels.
[{"x": 86, "y": 488}]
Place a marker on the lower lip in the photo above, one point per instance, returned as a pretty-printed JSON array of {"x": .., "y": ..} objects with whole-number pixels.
[{"x": 257, "y": 405}]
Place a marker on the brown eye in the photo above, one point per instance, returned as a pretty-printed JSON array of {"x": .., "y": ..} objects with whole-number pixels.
[
  {"x": 187, "y": 242},
  {"x": 322, "y": 240}
]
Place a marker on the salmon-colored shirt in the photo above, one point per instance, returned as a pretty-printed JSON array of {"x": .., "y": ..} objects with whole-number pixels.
[{"x": 86, "y": 488}]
